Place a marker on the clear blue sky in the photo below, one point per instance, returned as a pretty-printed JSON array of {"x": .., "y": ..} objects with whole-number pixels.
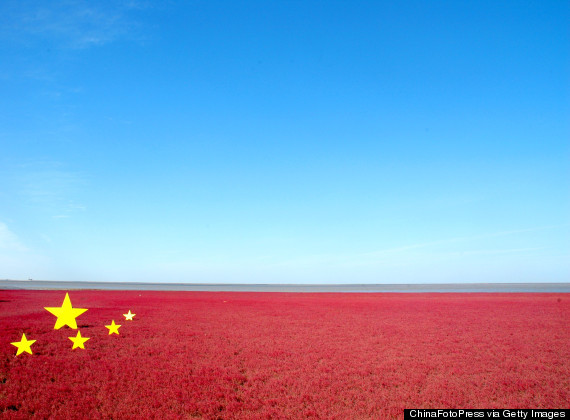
[{"x": 285, "y": 141}]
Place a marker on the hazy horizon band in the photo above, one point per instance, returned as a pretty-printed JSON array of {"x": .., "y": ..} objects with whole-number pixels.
[{"x": 308, "y": 288}]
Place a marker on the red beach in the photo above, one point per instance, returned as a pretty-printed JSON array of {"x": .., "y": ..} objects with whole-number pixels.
[{"x": 240, "y": 355}]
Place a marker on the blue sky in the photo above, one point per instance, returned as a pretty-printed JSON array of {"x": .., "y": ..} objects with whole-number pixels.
[{"x": 285, "y": 142}]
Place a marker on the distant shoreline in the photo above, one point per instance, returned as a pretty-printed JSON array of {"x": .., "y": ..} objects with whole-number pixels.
[{"x": 300, "y": 288}]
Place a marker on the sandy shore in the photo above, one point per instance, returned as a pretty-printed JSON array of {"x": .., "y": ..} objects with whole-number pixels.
[{"x": 338, "y": 288}]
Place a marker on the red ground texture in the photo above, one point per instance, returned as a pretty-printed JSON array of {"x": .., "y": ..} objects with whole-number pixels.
[{"x": 283, "y": 355}]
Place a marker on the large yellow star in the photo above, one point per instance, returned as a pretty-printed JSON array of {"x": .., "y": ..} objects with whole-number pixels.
[
  {"x": 66, "y": 314},
  {"x": 129, "y": 316},
  {"x": 78, "y": 341},
  {"x": 113, "y": 328},
  {"x": 24, "y": 345}
]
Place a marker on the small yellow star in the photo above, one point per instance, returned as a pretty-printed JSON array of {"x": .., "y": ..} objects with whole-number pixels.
[
  {"x": 129, "y": 316},
  {"x": 78, "y": 341},
  {"x": 24, "y": 345},
  {"x": 66, "y": 314},
  {"x": 113, "y": 328}
]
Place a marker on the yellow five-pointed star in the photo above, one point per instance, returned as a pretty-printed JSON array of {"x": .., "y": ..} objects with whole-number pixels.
[
  {"x": 129, "y": 316},
  {"x": 24, "y": 345},
  {"x": 78, "y": 341},
  {"x": 66, "y": 314},
  {"x": 113, "y": 328}
]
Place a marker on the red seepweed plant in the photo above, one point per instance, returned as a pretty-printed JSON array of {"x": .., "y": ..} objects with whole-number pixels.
[{"x": 282, "y": 355}]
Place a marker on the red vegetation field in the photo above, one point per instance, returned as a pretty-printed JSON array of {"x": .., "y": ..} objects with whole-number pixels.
[{"x": 283, "y": 355}]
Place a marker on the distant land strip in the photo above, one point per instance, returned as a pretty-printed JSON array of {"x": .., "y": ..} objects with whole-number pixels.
[{"x": 306, "y": 288}]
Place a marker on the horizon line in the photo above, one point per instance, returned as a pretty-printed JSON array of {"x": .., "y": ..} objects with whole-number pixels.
[{"x": 554, "y": 287}]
